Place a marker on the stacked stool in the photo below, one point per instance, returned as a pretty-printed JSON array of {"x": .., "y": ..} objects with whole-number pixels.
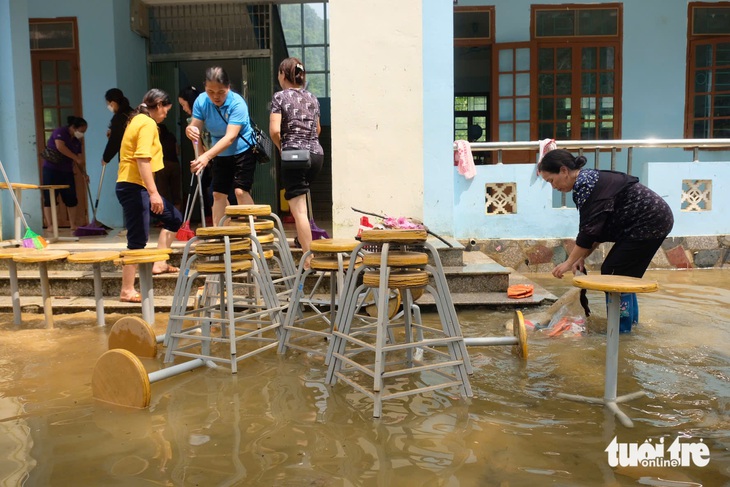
[
  {"x": 330, "y": 258},
  {"x": 263, "y": 222},
  {"x": 247, "y": 311},
  {"x": 376, "y": 361}
]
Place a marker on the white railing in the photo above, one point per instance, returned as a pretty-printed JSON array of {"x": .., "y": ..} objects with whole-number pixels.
[{"x": 601, "y": 146}]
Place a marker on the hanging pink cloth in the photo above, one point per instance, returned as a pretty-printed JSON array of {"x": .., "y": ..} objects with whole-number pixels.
[{"x": 464, "y": 160}]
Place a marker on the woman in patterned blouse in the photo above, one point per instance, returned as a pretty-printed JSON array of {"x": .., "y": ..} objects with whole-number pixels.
[
  {"x": 294, "y": 124},
  {"x": 614, "y": 207}
]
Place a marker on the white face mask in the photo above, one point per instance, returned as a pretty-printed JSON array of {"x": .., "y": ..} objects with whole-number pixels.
[
  {"x": 79, "y": 135},
  {"x": 110, "y": 108}
]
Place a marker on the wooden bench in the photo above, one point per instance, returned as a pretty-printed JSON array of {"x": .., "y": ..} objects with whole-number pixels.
[{"x": 613, "y": 285}]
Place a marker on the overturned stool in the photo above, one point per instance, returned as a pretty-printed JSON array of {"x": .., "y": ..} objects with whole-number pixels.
[
  {"x": 613, "y": 285},
  {"x": 119, "y": 378}
]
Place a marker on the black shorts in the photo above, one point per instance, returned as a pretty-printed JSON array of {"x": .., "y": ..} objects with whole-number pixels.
[
  {"x": 296, "y": 181},
  {"x": 233, "y": 171}
]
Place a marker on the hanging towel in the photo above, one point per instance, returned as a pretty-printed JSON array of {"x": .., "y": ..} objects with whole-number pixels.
[
  {"x": 546, "y": 145},
  {"x": 464, "y": 160}
]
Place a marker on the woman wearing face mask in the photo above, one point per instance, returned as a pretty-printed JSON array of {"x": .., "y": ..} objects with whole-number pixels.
[
  {"x": 118, "y": 104},
  {"x": 225, "y": 115},
  {"x": 67, "y": 141},
  {"x": 140, "y": 157}
]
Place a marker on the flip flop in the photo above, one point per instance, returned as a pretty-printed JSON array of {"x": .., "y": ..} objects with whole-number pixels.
[
  {"x": 170, "y": 269},
  {"x": 136, "y": 298}
]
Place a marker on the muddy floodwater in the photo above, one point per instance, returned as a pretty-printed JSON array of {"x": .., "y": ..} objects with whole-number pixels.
[{"x": 276, "y": 423}]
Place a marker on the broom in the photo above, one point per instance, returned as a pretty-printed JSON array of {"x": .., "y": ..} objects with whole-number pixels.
[
  {"x": 185, "y": 233},
  {"x": 31, "y": 239},
  {"x": 93, "y": 228}
]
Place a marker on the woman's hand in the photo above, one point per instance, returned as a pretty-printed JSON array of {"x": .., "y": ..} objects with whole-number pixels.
[
  {"x": 579, "y": 266},
  {"x": 156, "y": 204},
  {"x": 561, "y": 269},
  {"x": 193, "y": 133},
  {"x": 199, "y": 164}
]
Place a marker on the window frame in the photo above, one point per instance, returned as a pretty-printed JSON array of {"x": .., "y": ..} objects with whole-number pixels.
[
  {"x": 693, "y": 41},
  {"x": 577, "y": 42}
]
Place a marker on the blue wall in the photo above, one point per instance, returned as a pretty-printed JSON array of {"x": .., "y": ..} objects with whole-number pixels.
[
  {"x": 110, "y": 56},
  {"x": 438, "y": 116}
]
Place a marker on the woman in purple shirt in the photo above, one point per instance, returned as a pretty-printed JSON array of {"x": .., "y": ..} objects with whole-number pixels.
[{"x": 67, "y": 141}]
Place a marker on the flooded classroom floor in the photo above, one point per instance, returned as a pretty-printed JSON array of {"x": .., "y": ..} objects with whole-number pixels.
[{"x": 276, "y": 423}]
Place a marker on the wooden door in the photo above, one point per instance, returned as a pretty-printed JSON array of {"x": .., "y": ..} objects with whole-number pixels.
[{"x": 56, "y": 92}]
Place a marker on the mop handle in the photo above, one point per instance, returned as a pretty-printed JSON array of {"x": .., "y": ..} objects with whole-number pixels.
[
  {"x": 12, "y": 194},
  {"x": 98, "y": 190},
  {"x": 196, "y": 146},
  {"x": 190, "y": 193}
]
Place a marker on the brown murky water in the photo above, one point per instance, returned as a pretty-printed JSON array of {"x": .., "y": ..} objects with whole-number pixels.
[{"x": 277, "y": 424}]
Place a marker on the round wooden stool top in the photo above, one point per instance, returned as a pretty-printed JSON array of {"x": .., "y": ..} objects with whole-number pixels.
[
  {"x": 615, "y": 284},
  {"x": 134, "y": 334},
  {"x": 268, "y": 254},
  {"x": 141, "y": 259},
  {"x": 224, "y": 231},
  {"x": 140, "y": 252},
  {"x": 265, "y": 239},
  {"x": 397, "y": 280},
  {"x": 10, "y": 252},
  {"x": 396, "y": 236},
  {"x": 397, "y": 259},
  {"x": 41, "y": 256},
  {"x": 332, "y": 245},
  {"x": 19, "y": 186},
  {"x": 331, "y": 264},
  {"x": 248, "y": 210},
  {"x": 53, "y": 186},
  {"x": 219, "y": 248},
  {"x": 120, "y": 378},
  {"x": 263, "y": 225},
  {"x": 219, "y": 267},
  {"x": 93, "y": 257}
]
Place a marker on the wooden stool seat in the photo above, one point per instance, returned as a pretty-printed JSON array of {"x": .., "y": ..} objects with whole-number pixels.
[
  {"x": 148, "y": 251},
  {"x": 248, "y": 210},
  {"x": 141, "y": 259},
  {"x": 330, "y": 264},
  {"x": 10, "y": 252},
  {"x": 134, "y": 334},
  {"x": 19, "y": 186},
  {"x": 40, "y": 256},
  {"x": 394, "y": 236},
  {"x": 263, "y": 225},
  {"x": 333, "y": 245},
  {"x": 219, "y": 267},
  {"x": 219, "y": 248},
  {"x": 265, "y": 239},
  {"x": 397, "y": 280},
  {"x": 613, "y": 285},
  {"x": 225, "y": 231},
  {"x": 268, "y": 254},
  {"x": 119, "y": 378},
  {"x": 93, "y": 256},
  {"x": 397, "y": 259}
]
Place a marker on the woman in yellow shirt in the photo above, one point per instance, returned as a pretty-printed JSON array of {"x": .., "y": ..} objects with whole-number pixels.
[{"x": 139, "y": 157}]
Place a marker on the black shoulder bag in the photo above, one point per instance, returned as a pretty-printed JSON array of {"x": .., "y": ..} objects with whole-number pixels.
[{"x": 263, "y": 146}]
